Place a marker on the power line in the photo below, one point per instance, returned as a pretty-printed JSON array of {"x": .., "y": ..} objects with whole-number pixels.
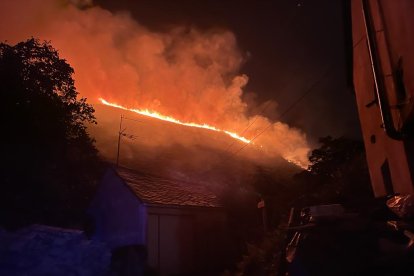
[
  {"x": 126, "y": 118},
  {"x": 261, "y": 112},
  {"x": 287, "y": 22},
  {"x": 307, "y": 92},
  {"x": 252, "y": 123}
]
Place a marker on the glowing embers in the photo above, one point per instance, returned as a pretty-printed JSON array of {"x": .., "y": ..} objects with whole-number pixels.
[{"x": 159, "y": 116}]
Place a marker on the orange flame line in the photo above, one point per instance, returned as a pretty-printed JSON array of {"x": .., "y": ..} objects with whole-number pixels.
[{"x": 159, "y": 116}]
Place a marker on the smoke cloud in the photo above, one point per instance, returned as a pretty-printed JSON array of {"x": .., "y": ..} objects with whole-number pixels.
[{"x": 186, "y": 73}]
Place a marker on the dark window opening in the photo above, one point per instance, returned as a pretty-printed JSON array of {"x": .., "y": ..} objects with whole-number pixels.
[
  {"x": 386, "y": 176},
  {"x": 399, "y": 81}
]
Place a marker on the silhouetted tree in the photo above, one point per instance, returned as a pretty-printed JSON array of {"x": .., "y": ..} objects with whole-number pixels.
[
  {"x": 337, "y": 171},
  {"x": 49, "y": 161}
]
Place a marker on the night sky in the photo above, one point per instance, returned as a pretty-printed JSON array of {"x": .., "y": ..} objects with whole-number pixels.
[{"x": 290, "y": 46}]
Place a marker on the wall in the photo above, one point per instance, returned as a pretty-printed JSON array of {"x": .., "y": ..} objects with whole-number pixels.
[
  {"x": 387, "y": 158},
  {"x": 120, "y": 218},
  {"x": 186, "y": 240}
]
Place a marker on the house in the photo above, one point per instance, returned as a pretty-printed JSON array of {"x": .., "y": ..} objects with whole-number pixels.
[
  {"x": 383, "y": 78},
  {"x": 181, "y": 225}
]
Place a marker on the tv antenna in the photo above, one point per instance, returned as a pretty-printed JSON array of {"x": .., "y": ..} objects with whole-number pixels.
[{"x": 122, "y": 133}]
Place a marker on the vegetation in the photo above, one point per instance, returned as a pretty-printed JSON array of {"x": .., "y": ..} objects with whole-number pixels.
[
  {"x": 50, "y": 164},
  {"x": 338, "y": 173},
  {"x": 262, "y": 257}
]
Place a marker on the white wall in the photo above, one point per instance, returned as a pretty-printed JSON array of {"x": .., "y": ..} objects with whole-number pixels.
[{"x": 185, "y": 240}]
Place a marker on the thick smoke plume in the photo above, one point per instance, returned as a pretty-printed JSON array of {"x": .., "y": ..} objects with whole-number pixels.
[{"x": 186, "y": 73}]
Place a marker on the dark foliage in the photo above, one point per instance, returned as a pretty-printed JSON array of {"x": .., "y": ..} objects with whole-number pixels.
[
  {"x": 338, "y": 172},
  {"x": 50, "y": 163}
]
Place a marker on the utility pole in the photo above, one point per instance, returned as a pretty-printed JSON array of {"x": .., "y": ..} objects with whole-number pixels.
[{"x": 119, "y": 141}]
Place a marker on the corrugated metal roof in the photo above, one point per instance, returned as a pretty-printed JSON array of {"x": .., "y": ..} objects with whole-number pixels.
[{"x": 156, "y": 190}]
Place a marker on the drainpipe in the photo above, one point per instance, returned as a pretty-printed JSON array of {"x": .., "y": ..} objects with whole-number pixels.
[{"x": 380, "y": 90}]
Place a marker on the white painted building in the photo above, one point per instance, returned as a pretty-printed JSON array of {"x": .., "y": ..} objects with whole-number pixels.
[{"x": 182, "y": 225}]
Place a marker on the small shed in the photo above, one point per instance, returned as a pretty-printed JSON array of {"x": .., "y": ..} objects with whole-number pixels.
[{"x": 181, "y": 225}]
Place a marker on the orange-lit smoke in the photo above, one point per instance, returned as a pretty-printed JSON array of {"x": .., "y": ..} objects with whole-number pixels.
[{"x": 185, "y": 73}]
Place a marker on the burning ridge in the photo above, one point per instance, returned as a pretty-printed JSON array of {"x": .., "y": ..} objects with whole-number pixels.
[{"x": 159, "y": 116}]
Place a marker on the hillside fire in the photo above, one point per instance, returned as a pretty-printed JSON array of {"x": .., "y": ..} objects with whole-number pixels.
[{"x": 170, "y": 119}]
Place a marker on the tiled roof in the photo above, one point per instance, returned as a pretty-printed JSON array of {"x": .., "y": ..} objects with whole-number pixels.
[{"x": 156, "y": 190}]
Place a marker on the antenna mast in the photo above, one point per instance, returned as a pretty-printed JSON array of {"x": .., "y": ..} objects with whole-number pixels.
[{"x": 119, "y": 141}]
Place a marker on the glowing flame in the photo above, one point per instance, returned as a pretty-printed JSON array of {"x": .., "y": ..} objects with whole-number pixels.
[{"x": 159, "y": 116}]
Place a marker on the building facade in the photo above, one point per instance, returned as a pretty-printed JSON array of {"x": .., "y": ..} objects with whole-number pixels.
[
  {"x": 181, "y": 225},
  {"x": 383, "y": 78}
]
